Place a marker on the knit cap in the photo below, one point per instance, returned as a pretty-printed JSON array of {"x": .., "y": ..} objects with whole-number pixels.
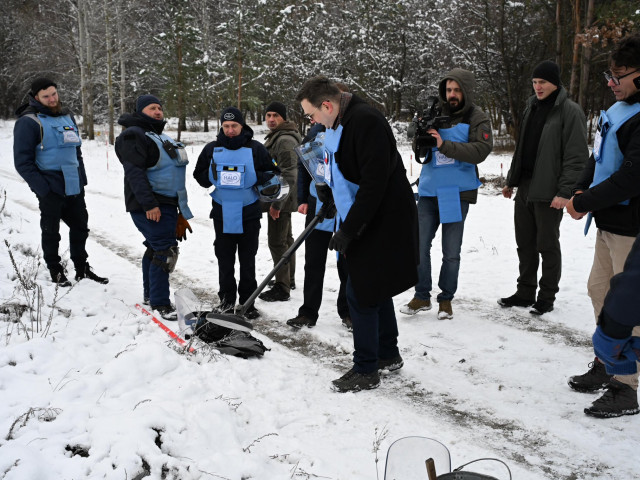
[
  {"x": 548, "y": 71},
  {"x": 146, "y": 100},
  {"x": 232, "y": 114},
  {"x": 41, "y": 83},
  {"x": 279, "y": 108}
]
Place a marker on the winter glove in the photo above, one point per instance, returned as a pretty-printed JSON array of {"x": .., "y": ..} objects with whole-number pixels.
[
  {"x": 328, "y": 210},
  {"x": 324, "y": 193},
  {"x": 181, "y": 228},
  {"x": 340, "y": 242},
  {"x": 619, "y": 355}
]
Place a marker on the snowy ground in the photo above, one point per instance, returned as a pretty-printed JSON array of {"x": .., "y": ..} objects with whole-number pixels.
[{"x": 100, "y": 394}]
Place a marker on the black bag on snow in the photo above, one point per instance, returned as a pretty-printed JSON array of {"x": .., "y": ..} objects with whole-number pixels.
[{"x": 229, "y": 341}]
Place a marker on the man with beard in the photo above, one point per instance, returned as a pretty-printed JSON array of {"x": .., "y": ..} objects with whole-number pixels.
[
  {"x": 448, "y": 184},
  {"x": 281, "y": 142},
  {"x": 549, "y": 156},
  {"x": 377, "y": 233},
  {"x": 155, "y": 196},
  {"x": 46, "y": 153}
]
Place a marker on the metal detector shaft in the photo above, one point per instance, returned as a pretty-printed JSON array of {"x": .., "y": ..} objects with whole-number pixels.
[{"x": 286, "y": 256}]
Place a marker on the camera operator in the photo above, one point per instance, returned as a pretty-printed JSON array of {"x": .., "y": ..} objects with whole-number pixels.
[{"x": 448, "y": 183}]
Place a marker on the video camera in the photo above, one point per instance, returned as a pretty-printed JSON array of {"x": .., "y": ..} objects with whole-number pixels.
[{"x": 431, "y": 118}]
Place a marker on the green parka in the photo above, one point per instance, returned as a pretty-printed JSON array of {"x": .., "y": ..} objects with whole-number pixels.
[
  {"x": 562, "y": 151},
  {"x": 281, "y": 144}
]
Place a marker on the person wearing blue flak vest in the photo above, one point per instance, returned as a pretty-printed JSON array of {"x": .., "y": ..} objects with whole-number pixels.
[
  {"x": 448, "y": 184},
  {"x": 47, "y": 154},
  {"x": 608, "y": 191},
  {"x": 317, "y": 243},
  {"x": 155, "y": 195},
  {"x": 377, "y": 223},
  {"x": 242, "y": 173}
]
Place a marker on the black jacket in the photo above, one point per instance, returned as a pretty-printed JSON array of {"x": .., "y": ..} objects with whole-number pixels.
[
  {"x": 261, "y": 162},
  {"x": 137, "y": 152},
  {"x": 27, "y": 135},
  {"x": 382, "y": 258},
  {"x": 604, "y": 199}
]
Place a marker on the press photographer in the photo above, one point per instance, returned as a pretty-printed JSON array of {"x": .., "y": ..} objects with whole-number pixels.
[{"x": 448, "y": 181}]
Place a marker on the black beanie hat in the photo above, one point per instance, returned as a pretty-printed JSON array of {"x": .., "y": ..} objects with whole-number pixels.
[
  {"x": 548, "y": 71},
  {"x": 232, "y": 114},
  {"x": 279, "y": 108},
  {"x": 41, "y": 83},
  {"x": 146, "y": 100}
]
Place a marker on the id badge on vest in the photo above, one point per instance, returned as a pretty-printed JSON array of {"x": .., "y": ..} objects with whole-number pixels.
[
  {"x": 69, "y": 135},
  {"x": 442, "y": 160},
  {"x": 601, "y": 132},
  {"x": 230, "y": 177}
]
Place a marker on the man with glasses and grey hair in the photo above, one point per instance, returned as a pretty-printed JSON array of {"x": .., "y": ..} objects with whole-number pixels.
[{"x": 608, "y": 192}]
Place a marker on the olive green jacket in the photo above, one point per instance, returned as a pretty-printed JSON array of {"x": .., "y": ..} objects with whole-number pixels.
[
  {"x": 281, "y": 144},
  {"x": 562, "y": 151}
]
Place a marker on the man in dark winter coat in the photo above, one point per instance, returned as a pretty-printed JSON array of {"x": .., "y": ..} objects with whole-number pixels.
[
  {"x": 235, "y": 164},
  {"x": 448, "y": 184},
  {"x": 46, "y": 153},
  {"x": 281, "y": 143},
  {"x": 154, "y": 195},
  {"x": 609, "y": 188},
  {"x": 550, "y": 154},
  {"x": 378, "y": 223}
]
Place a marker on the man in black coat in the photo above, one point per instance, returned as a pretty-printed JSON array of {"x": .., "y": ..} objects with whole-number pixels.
[{"x": 378, "y": 233}]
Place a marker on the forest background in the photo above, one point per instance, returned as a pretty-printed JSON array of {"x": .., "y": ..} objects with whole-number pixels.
[{"x": 201, "y": 56}]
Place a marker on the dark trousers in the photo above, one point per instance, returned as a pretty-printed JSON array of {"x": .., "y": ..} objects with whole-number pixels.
[
  {"x": 280, "y": 237},
  {"x": 225, "y": 247},
  {"x": 375, "y": 332},
  {"x": 158, "y": 237},
  {"x": 537, "y": 228},
  {"x": 73, "y": 212},
  {"x": 315, "y": 261}
]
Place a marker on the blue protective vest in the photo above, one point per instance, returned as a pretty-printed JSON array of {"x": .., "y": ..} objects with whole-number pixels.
[
  {"x": 236, "y": 177},
  {"x": 606, "y": 150},
  {"x": 57, "y": 150},
  {"x": 445, "y": 177},
  {"x": 344, "y": 191},
  {"x": 167, "y": 176},
  {"x": 328, "y": 224}
]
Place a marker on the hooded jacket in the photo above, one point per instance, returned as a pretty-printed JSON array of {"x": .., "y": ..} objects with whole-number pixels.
[
  {"x": 137, "y": 152},
  {"x": 562, "y": 151},
  {"x": 480, "y": 142},
  {"x": 281, "y": 144},
  {"x": 261, "y": 162},
  {"x": 27, "y": 135}
]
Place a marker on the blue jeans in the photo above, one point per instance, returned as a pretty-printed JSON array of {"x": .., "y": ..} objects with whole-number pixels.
[
  {"x": 158, "y": 236},
  {"x": 428, "y": 221},
  {"x": 375, "y": 332}
]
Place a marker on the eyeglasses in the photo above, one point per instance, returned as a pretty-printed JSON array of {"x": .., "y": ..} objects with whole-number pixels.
[
  {"x": 309, "y": 116},
  {"x": 616, "y": 80}
]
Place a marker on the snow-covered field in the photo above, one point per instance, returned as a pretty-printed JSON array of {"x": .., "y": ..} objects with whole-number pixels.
[{"x": 100, "y": 394}]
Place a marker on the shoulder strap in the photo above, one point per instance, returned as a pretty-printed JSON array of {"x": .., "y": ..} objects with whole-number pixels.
[{"x": 35, "y": 118}]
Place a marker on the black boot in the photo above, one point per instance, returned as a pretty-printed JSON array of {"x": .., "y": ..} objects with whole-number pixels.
[
  {"x": 58, "y": 276},
  {"x": 619, "y": 399},
  {"x": 86, "y": 272},
  {"x": 592, "y": 381}
]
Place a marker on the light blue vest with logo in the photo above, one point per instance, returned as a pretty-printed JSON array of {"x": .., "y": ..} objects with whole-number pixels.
[
  {"x": 236, "y": 177},
  {"x": 57, "y": 151},
  {"x": 445, "y": 177},
  {"x": 344, "y": 191},
  {"x": 606, "y": 150},
  {"x": 167, "y": 177}
]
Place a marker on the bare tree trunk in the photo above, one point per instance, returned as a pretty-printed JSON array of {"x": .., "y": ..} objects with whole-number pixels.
[
  {"x": 110, "y": 110},
  {"x": 89, "y": 84},
  {"x": 558, "y": 32},
  {"x": 81, "y": 61},
  {"x": 239, "y": 77},
  {"x": 123, "y": 76},
  {"x": 182, "y": 123},
  {"x": 586, "y": 59},
  {"x": 573, "y": 84}
]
